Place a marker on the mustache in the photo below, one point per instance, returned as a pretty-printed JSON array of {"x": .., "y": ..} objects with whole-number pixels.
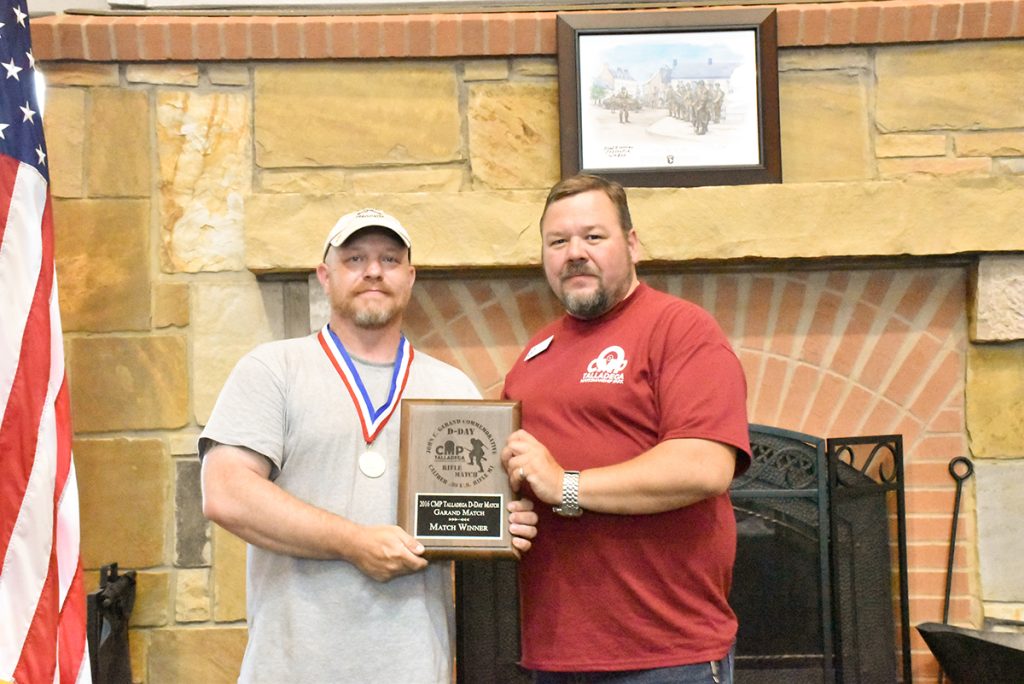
[
  {"x": 376, "y": 288},
  {"x": 577, "y": 268}
]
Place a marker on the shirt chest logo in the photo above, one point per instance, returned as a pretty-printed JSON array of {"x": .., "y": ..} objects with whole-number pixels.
[{"x": 607, "y": 367}]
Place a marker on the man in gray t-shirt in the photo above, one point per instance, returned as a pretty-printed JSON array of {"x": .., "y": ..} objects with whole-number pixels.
[{"x": 300, "y": 460}]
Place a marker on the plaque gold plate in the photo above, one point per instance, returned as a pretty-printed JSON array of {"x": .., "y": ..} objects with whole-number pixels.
[{"x": 452, "y": 488}]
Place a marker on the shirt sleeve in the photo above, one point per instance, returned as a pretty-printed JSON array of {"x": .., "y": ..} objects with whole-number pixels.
[
  {"x": 701, "y": 388},
  {"x": 467, "y": 389},
  {"x": 249, "y": 412}
]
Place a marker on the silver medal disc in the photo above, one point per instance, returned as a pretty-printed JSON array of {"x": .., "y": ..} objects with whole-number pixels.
[{"x": 371, "y": 464}]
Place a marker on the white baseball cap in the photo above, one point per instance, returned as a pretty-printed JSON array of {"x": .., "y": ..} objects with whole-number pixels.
[{"x": 350, "y": 224}]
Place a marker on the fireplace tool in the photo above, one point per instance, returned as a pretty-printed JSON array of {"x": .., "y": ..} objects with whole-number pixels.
[
  {"x": 968, "y": 655},
  {"x": 960, "y": 468}
]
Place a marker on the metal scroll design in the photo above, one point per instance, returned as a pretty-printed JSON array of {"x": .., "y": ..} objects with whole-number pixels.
[
  {"x": 780, "y": 464},
  {"x": 875, "y": 458}
]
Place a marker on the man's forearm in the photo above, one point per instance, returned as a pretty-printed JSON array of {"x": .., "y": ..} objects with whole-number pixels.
[
  {"x": 252, "y": 507},
  {"x": 238, "y": 495},
  {"x": 671, "y": 475}
]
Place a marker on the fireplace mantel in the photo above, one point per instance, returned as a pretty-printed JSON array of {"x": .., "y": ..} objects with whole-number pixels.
[{"x": 147, "y": 36}]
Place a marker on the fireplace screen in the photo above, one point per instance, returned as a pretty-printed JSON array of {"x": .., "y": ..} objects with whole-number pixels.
[{"x": 812, "y": 585}]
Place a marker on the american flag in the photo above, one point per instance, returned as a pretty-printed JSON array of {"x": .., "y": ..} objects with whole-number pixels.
[{"x": 42, "y": 600}]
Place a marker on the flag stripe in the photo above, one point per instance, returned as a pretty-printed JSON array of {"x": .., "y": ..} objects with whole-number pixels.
[
  {"x": 72, "y": 655},
  {"x": 68, "y": 532},
  {"x": 8, "y": 170},
  {"x": 42, "y": 637},
  {"x": 21, "y": 256},
  {"x": 72, "y": 645},
  {"x": 72, "y": 622}
]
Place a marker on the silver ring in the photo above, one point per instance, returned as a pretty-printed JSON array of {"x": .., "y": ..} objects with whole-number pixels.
[{"x": 522, "y": 475}]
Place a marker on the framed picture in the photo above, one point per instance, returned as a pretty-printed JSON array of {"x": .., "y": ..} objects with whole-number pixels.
[{"x": 670, "y": 98}]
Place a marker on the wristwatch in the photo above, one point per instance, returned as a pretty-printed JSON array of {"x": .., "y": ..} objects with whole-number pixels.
[{"x": 570, "y": 507}]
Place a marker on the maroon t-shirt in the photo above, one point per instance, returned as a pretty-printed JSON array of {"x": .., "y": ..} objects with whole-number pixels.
[{"x": 624, "y": 592}]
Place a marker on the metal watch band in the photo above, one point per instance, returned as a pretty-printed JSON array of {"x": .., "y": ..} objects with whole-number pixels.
[{"x": 570, "y": 507}]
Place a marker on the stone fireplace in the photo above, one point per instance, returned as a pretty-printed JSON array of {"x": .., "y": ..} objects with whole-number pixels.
[{"x": 197, "y": 162}]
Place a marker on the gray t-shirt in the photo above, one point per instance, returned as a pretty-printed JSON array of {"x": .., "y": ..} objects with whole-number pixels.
[{"x": 316, "y": 621}]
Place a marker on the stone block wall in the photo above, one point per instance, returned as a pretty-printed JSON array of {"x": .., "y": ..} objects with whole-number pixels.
[
  {"x": 192, "y": 191},
  {"x": 995, "y": 417}
]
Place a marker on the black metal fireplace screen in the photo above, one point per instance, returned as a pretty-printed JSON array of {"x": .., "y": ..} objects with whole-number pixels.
[
  {"x": 814, "y": 580},
  {"x": 813, "y": 585}
]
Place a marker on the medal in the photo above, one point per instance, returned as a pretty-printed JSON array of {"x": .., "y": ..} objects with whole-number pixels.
[
  {"x": 371, "y": 464},
  {"x": 372, "y": 419}
]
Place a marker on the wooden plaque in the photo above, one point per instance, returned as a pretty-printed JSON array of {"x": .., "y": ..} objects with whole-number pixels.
[{"x": 452, "y": 488}]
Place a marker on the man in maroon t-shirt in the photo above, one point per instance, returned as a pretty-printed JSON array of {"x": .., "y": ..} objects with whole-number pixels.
[{"x": 634, "y": 424}]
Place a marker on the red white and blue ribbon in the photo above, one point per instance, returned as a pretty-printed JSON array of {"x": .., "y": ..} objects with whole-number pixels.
[{"x": 372, "y": 419}]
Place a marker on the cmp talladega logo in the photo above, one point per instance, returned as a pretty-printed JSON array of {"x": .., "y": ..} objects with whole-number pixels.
[
  {"x": 607, "y": 367},
  {"x": 463, "y": 453}
]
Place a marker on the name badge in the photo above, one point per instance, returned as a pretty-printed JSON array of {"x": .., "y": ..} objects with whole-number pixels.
[{"x": 538, "y": 348}]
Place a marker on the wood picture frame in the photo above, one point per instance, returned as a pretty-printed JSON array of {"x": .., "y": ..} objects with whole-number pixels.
[{"x": 670, "y": 98}]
